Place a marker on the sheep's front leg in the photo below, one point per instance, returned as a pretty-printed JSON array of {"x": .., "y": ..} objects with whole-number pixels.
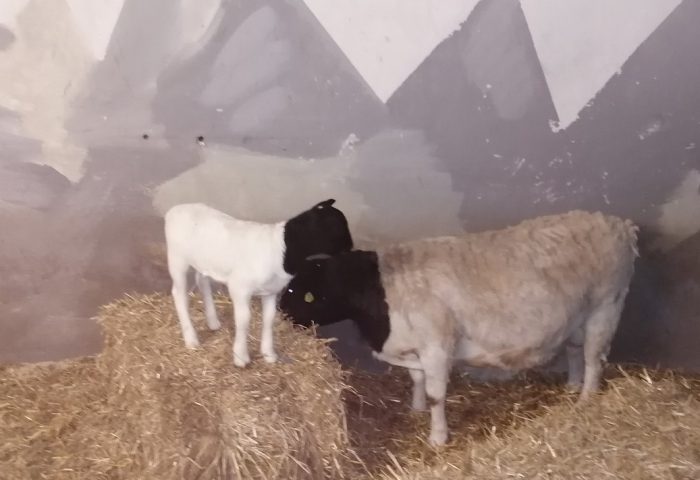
[
  {"x": 436, "y": 366},
  {"x": 241, "y": 312},
  {"x": 209, "y": 307},
  {"x": 418, "y": 401}
]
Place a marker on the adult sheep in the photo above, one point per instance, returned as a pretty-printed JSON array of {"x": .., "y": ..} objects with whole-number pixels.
[
  {"x": 250, "y": 258},
  {"x": 510, "y": 299}
]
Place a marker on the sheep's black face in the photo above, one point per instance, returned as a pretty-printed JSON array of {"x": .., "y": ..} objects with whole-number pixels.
[
  {"x": 308, "y": 298},
  {"x": 322, "y": 229}
]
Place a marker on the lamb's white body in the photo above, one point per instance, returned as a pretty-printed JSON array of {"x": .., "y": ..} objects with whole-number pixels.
[
  {"x": 511, "y": 299},
  {"x": 246, "y": 256}
]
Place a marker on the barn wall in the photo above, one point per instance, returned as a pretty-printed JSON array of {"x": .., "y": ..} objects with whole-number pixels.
[{"x": 450, "y": 116}]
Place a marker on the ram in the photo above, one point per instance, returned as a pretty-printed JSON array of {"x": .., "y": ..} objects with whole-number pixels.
[
  {"x": 510, "y": 299},
  {"x": 250, "y": 258}
]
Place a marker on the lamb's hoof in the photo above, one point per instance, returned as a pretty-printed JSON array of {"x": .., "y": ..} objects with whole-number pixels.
[
  {"x": 284, "y": 359},
  {"x": 241, "y": 361},
  {"x": 437, "y": 439},
  {"x": 214, "y": 325},
  {"x": 270, "y": 357},
  {"x": 192, "y": 344},
  {"x": 419, "y": 406}
]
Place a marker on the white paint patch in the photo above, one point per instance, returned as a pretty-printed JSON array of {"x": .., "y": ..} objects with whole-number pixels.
[
  {"x": 653, "y": 127},
  {"x": 386, "y": 40},
  {"x": 581, "y": 44},
  {"x": 259, "y": 187},
  {"x": 679, "y": 217},
  {"x": 9, "y": 10},
  {"x": 348, "y": 145},
  {"x": 96, "y": 20},
  {"x": 519, "y": 162},
  {"x": 416, "y": 199},
  {"x": 40, "y": 75}
]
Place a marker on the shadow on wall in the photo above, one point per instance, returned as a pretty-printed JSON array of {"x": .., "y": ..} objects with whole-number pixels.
[{"x": 661, "y": 321}]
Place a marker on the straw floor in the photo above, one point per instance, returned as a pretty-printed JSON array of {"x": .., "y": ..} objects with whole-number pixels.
[{"x": 147, "y": 408}]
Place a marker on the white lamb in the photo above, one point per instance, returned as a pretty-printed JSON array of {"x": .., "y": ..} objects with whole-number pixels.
[
  {"x": 250, "y": 258},
  {"x": 510, "y": 299}
]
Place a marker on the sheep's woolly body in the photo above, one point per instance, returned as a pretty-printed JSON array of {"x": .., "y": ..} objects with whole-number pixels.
[{"x": 511, "y": 297}]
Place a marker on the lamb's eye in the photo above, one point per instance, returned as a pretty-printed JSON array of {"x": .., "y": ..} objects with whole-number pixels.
[{"x": 290, "y": 290}]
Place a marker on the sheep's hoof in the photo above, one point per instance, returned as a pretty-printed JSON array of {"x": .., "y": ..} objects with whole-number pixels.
[
  {"x": 437, "y": 439},
  {"x": 419, "y": 408},
  {"x": 573, "y": 387},
  {"x": 584, "y": 398}
]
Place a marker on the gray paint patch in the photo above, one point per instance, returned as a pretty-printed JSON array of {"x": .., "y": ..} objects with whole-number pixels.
[
  {"x": 251, "y": 51},
  {"x": 254, "y": 114},
  {"x": 403, "y": 182},
  {"x": 502, "y": 69},
  {"x": 31, "y": 185},
  {"x": 7, "y": 38},
  {"x": 251, "y": 58}
]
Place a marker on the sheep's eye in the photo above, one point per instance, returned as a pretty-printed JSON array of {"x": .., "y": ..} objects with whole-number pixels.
[
  {"x": 309, "y": 297},
  {"x": 290, "y": 290}
]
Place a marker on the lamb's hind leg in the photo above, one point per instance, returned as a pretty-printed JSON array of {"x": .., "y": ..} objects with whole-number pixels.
[
  {"x": 267, "y": 344},
  {"x": 599, "y": 331},
  {"x": 209, "y": 307},
  {"x": 178, "y": 273},
  {"x": 241, "y": 312}
]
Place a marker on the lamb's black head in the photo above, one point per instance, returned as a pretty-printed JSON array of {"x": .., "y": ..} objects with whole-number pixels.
[
  {"x": 329, "y": 290},
  {"x": 322, "y": 229},
  {"x": 311, "y": 295}
]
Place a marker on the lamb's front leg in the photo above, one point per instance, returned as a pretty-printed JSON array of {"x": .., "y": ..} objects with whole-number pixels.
[
  {"x": 267, "y": 345},
  {"x": 241, "y": 312},
  {"x": 418, "y": 401}
]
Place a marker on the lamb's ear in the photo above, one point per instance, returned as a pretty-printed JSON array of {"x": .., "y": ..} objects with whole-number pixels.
[{"x": 325, "y": 203}]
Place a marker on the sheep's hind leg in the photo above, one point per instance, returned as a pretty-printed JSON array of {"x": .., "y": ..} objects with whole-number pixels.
[
  {"x": 599, "y": 331},
  {"x": 436, "y": 365},
  {"x": 575, "y": 360},
  {"x": 418, "y": 401}
]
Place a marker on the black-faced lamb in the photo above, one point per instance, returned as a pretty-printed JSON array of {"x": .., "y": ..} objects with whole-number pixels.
[
  {"x": 250, "y": 258},
  {"x": 510, "y": 299}
]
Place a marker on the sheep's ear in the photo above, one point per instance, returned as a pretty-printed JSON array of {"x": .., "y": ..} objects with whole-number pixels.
[{"x": 325, "y": 203}]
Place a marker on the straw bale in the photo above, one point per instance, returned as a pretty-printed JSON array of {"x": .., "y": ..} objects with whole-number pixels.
[
  {"x": 149, "y": 408},
  {"x": 198, "y": 414}
]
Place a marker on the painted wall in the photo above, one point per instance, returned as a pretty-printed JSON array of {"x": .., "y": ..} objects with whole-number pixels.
[{"x": 450, "y": 116}]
